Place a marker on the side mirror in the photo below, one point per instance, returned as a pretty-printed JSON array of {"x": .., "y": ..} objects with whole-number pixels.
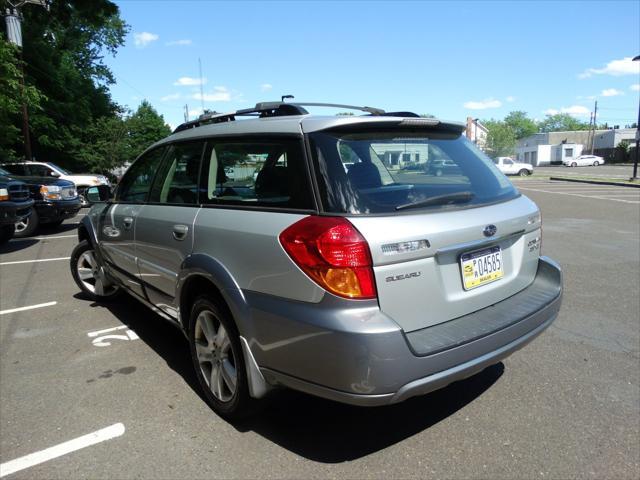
[
  {"x": 54, "y": 174},
  {"x": 99, "y": 194}
]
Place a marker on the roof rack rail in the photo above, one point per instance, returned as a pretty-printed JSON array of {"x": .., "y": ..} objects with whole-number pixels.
[{"x": 277, "y": 109}]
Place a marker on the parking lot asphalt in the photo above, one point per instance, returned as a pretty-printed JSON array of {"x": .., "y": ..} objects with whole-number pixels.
[{"x": 566, "y": 406}]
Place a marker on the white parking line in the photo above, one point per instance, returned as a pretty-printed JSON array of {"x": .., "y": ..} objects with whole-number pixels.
[
  {"x": 42, "y": 238},
  {"x": 34, "y": 261},
  {"x": 579, "y": 195},
  {"x": 56, "y": 451},
  {"x": 30, "y": 307}
]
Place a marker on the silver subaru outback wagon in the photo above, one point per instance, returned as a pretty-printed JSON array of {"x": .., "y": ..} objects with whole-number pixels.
[{"x": 325, "y": 254}]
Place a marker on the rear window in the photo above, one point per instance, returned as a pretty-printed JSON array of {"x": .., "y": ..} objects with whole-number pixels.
[{"x": 383, "y": 172}]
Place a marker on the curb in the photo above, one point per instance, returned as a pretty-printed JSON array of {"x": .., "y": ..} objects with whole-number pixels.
[{"x": 596, "y": 182}]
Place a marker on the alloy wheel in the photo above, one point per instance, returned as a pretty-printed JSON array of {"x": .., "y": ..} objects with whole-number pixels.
[
  {"x": 91, "y": 275},
  {"x": 215, "y": 356}
]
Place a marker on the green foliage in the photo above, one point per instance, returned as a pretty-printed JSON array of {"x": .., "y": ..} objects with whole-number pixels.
[
  {"x": 63, "y": 51},
  {"x": 145, "y": 126},
  {"x": 521, "y": 125},
  {"x": 12, "y": 95},
  {"x": 501, "y": 139},
  {"x": 561, "y": 122}
]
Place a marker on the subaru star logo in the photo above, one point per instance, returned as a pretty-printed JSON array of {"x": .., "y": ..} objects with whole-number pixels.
[{"x": 490, "y": 230}]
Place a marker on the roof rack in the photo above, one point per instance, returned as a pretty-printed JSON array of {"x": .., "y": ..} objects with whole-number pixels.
[{"x": 278, "y": 109}]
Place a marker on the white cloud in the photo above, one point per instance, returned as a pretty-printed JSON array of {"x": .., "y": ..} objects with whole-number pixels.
[
  {"x": 195, "y": 113},
  {"x": 189, "y": 81},
  {"x": 510, "y": 99},
  {"x": 611, "y": 92},
  {"x": 265, "y": 87},
  {"x": 143, "y": 39},
  {"x": 635, "y": 87},
  {"x": 219, "y": 94},
  {"x": 573, "y": 110},
  {"x": 483, "y": 104},
  {"x": 616, "y": 68},
  {"x": 171, "y": 96},
  {"x": 179, "y": 43}
]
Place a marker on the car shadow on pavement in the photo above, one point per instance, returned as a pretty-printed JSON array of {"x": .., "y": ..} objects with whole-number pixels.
[
  {"x": 163, "y": 337},
  {"x": 314, "y": 428},
  {"x": 331, "y": 432},
  {"x": 16, "y": 244}
]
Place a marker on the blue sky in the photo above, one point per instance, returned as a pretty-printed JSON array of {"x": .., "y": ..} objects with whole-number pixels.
[{"x": 450, "y": 59}]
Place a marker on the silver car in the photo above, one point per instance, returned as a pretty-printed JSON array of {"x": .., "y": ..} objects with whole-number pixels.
[{"x": 345, "y": 268}]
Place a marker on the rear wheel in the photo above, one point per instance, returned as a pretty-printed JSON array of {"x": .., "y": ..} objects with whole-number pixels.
[
  {"x": 89, "y": 274},
  {"x": 524, "y": 172},
  {"x": 28, "y": 225},
  {"x": 218, "y": 360},
  {"x": 6, "y": 232}
]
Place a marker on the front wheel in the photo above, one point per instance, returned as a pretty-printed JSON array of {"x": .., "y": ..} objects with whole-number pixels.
[
  {"x": 524, "y": 172},
  {"x": 89, "y": 274},
  {"x": 217, "y": 358},
  {"x": 574, "y": 164},
  {"x": 596, "y": 163},
  {"x": 28, "y": 225}
]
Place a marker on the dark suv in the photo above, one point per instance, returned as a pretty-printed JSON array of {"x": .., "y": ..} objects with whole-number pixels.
[
  {"x": 55, "y": 200},
  {"x": 15, "y": 205}
]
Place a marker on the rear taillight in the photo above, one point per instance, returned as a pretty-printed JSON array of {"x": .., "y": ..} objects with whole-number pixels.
[{"x": 333, "y": 253}]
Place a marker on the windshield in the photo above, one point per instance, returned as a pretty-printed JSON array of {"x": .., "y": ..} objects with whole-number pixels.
[
  {"x": 381, "y": 172},
  {"x": 4, "y": 172},
  {"x": 60, "y": 169}
]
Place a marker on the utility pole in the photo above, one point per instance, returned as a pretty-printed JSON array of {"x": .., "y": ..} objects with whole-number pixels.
[
  {"x": 595, "y": 115},
  {"x": 634, "y": 178},
  {"x": 13, "y": 19},
  {"x": 590, "y": 126},
  {"x": 201, "y": 90},
  {"x": 186, "y": 112}
]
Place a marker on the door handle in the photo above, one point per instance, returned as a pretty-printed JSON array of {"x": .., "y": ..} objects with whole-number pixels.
[
  {"x": 127, "y": 222},
  {"x": 180, "y": 232}
]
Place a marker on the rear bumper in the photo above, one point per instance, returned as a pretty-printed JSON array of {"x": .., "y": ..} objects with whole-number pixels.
[
  {"x": 52, "y": 211},
  {"x": 359, "y": 356},
  {"x": 12, "y": 212}
]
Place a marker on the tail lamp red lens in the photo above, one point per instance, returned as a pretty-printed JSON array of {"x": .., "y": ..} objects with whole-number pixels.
[{"x": 333, "y": 253}]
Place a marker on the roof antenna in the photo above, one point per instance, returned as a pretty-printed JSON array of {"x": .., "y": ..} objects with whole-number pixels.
[{"x": 285, "y": 96}]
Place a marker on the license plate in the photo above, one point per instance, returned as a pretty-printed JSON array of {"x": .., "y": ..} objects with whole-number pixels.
[{"x": 481, "y": 267}]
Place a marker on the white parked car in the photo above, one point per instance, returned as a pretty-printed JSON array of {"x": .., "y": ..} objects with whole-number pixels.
[
  {"x": 584, "y": 161},
  {"x": 511, "y": 167},
  {"x": 48, "y": 169}
]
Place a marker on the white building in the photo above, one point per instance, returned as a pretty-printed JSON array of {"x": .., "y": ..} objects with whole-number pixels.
[{"x": 554, "y": 147}]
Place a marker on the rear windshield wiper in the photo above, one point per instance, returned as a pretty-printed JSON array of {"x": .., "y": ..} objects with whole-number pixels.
[{"x": 439, "y": 200}]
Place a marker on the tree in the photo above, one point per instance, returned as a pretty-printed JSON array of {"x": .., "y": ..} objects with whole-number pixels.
[
  {"x": 520, "y": 124},
  {"x": 561, "y": 122},
  {"x": 501, "y": 139},
  {"x": 63, "y": 53},
  {"x": 145, "y": 127},
  {"x": 12, "y": 95}
]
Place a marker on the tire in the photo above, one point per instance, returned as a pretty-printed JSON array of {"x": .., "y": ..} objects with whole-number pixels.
[
  {"x": 6, "y": 233},
  {"x": 27, "y": 226},
  {"x": 574, "y": 164},
  {"x": 89, "y": 274},
  {"x": 524, "y": 172},
  {"x": 596, "y": 163},
  {"x": 215, "y": 349}
]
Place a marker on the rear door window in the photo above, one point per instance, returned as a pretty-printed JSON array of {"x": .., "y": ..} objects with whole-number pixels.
[
  {"x": 269, "y": 173},
  {"x": 177, "y": 179}
]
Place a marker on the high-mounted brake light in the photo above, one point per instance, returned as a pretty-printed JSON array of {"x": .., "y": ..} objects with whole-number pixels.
[{"x": 333, "y": 253}]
